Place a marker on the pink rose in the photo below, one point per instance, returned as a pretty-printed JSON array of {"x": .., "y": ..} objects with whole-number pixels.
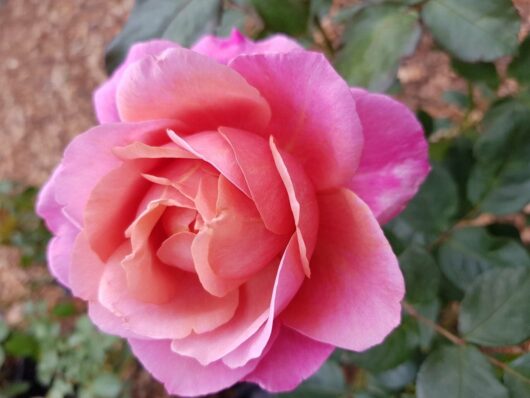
[{"x": 224, "y": 217}]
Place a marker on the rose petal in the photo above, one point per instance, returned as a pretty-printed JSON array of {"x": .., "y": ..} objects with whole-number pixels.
[
  {"x": 47, "y": 206},
  {"x": 148, "y": 279},
  {"x": 112, "y": 206},
  {"x": 174, "y": 319},
  {"x": 267, "y": 190},
  {"x": 212, "y": 148},
  {"x": 353, "y": 297},
  {"x": 80, "y": 173},
  {"x": 60, "y": 252},
  {"x": 185, "y": 376},
  {"x": 303, "y": 202},
  {"x": 288, "y": 281},
  {"x": 105, "y": 95},
  {"x": 252, "y": 312},
  {"x": 291, "y": 359},
  {"x": 225, "y": 49},
  {"x": 313, "y": 112},
  {"x": 240, "y": 244},
  {"x": 394, "y": 161},
  {"x": 86, "y": 269},
  {"x": 196, "y": 90},
  {"x": 176, "y": 251}
]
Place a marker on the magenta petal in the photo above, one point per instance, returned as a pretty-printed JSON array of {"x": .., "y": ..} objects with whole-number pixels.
[
  {"x": 224, "y": 49},
  {"x": 394, "y": 161},
  {"x": 291, "y": 359},
  {"x": 353, "y": 299},
  {"x": 185, "y": 376},
  {"x": 105, "y": 95},
  {"x": 47, "y": 206},
  {"x": 313, "y": 112}
]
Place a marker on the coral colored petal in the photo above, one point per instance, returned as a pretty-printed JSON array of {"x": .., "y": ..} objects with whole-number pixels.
[
  {"x": 185, "y": 376},
  {"x": 174, "y": 319},
  {"x": 210, "y": 281},
  {"x": 139, "y": 150},
  {"x": 105, "y": 95},
  {"x": 313, "y": 112},
  {"x": 206, "y": 199},
  {"x": 177, "y": 219},
  {"x": 60, "y": 252},
  {"x": 86, "y": 269},
  {"x": 303, "y": 202},
  {"x": 112, "y": 206},
  {"x": 196, "y": 90},
  {"x": 394, "y": 161},
  {"x": 353, "y": 297},
  {"x": 212, "y": 148},
  {"x": 176, "y": 251},
  {"x": 80, "y": 173},
  {"x": 148, "y": 279},
  {"x": 291, "y": 359},
  {"x": 240, "y": 244},
  {"x": 288, "y": 281},
  {"x": 252, "y": 312},
  {"x": 266, "y": 187},
  {"x": 225, "y": 49}
]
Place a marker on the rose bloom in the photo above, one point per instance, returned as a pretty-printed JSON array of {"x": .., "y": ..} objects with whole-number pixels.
[{"x": 225, "y": 215}]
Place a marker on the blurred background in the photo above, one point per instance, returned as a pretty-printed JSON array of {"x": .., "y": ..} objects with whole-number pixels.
[{"x": 52, "y": 56}]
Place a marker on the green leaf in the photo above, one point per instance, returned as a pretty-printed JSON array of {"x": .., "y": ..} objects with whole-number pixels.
[
  {"x": 4, "y": 330},
  {"x": 473, "y": 30},
  {"x": 181, "y": 20},
  {"x": 520, "y": 66},
  {"x": 479, "y": 72},
  {"x": 396, "y": 379},
  {"x": 195, "y": 19},
  {"x": 495, "y": 309},
  {"x": 106, "y": 385},
  {"x": 430, "y": 212},
  {"x": 287, "y": 16},
  {"x": 21, "y": 345},
  {"x": 500, "y": 181},
  {"x": 471, "y": 251},
  {"x": 458, "y": 372},
  {"x": 426, "y": 333},
  {"x": 328, "y": 382},
  {"x": 375, "y": 40},
  {"x": 2, "y": 356},
  {"x": 422, "y": 277},
  {"x": 519, "y": 385},
  {"x": 394, "y": 350}
]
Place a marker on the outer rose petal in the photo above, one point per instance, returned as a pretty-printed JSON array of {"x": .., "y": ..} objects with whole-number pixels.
[
  {"x": 313, "y": 112},
  {"x": 196, "y": 90},
  {"x": 105, "y": 95},
  {"x": 79, "y": 172},
  {"x": 185, "y": 376},
  {"x": 291, "y": 359},
  {"x": 225, "y": 49},
  {"x": 394, "y": 161},
  {"x": 353, "y": 297},
  {"x": 60, "y": 252},
  {"x": 47, "y": 206}
]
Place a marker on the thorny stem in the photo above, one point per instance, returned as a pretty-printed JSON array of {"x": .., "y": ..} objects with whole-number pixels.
[{"x": 459, "y": 341}]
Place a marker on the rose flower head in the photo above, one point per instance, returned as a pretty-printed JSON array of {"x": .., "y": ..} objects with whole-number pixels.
[{"x": 225, "y": 215}]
